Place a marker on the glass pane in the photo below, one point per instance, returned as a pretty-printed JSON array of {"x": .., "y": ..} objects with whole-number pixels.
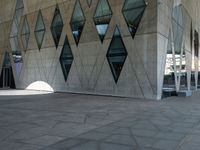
[
  {"x": 89, "y": 2},
  {"x": 39, "y": 37},
  {"x": 25, "y": 33},
  {"x": 17, "y": 57},
  {"x": 183, "y": 80},
  {"x": 66, "y": 58},
  {"x": 78, "y": 13},
  {"x": 133, "y": 11},
  {"x": 130, "y": 4},
  {"x": 39, "y": 30},
  {"x": 14, "y": 29},
  {"x": 57, "y": 26},
  {"x": 196, "y": 44},
  {"x": 14, "y": 43},
  {"x": 102, "y": 18},
  {"x": 116, "y": 54},
  {"x": 77, "y": 22},
  {"x": 25, "y": 27},
  {"x": 39, "y": 23},
  {"x": 25, "y": 39},
  {"x": 193, "y": 80}
]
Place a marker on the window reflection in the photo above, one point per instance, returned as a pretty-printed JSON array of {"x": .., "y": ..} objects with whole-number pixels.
[
  {"x": 56, "y": 26},
  {"x": 25, "y": 33},
  {"x": 77, "y": 22},
  {"x": 133, "y": 11},
  {"x": 39, "y": 30},
  {"x": 66, "y": 58},
  {"x": 116, "y": 54},
  {"x": 102, "y": 18}
]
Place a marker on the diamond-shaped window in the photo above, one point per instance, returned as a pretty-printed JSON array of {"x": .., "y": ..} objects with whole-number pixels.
[
  {"x": 102, "y": 18},
  {"x": 77, "y": 22},
  {"x": 66, "y": 58},
  {"x": 19, "y": 4},
  {"x": 16, "y": 51},
  {"x": 116, "y": 54},
  {"x": 89, "y": 2},
  {"x": 133, "y": 11},
  {"x": 177, "y": 36},
  {"x": 39, "y": 30},
  {"x": 56, "y": 26},
  {"x": 25, "y": 33}
]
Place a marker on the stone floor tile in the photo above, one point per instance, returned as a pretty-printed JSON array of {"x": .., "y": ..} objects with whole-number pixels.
[
  {"x": 144, "y": 141},
  {"x": 165, "y": 144},
  {"x": 67, "y": 143},
  {"x": 93, "y": 135},
  {"x": 44, "y": 140},
  {"x": 86, "y": 146},
  {"x": 110, "y": 146},
  {"x": 143, "y": 132},
  {"x": 121, "y": 139}
]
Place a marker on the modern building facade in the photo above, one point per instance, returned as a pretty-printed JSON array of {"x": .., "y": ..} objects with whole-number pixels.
[{"x": 128, "y": 48}]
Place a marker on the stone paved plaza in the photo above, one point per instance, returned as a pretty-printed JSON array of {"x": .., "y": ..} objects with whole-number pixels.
[{"x": 84, "y": 122}]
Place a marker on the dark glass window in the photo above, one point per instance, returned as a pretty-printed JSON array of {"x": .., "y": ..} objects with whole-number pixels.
[
  {"x": 177, "y": 28},
  {"x": 116, "y": 54},
  {"x": 66, "y": 58},
  {"x": 191, "y": 37},
  {"x": 16, "y": 51},
  {"x": 89, "y": 2},
  {"x": 77, "y": 22},
  {"x": 6, "y": 76},
  {"x": 193, "y": 80},
  {"x": 39, "y": 30},
  {"x": 102, "y": 18},
  {"x": 198, "y": 80},
  {"x": 169, "y": 76},
  {"x": 15, "y": 25},
  {"x": 18, "y": 61},
  {"x": 196, "y": 44},
  {"x": 56, "y": 26},
  {"x": 25, "y": 33},
  {"x": 133, "y": 11}
]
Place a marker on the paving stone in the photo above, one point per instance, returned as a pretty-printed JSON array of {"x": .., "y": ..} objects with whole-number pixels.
[
  {"x": 86, "y": 146},
  {"x": 187, "y": 146},
  {"x": 125, "y": 131},
  {"x": 109, "y": 146},
  {"x": 144, "y": 141},
  {"x": 93, "y": 135},
  {"x": 165, "y": 144},
  {"x": 107, "y": 129},
  {"x": 56, "y": 122},
  {"x": 170, "y": 135},
  {"x": 67, "y": 143},
  {"x": 44, "y": 140},
  {"x": 121, "y": 139},
  {"x": 143, "y": 132}
]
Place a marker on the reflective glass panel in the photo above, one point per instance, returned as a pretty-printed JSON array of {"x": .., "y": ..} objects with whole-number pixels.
[
  {"x": 66, "y": 58},
  {"x": 57, "y": 26},
  {"x": 77, "y": 22},
  {"x": 102, "y": 18},
  {"x": 116, "y": 54},
  {"x": 39, "y": 30},
  {"x": 133, "y": 11}
]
